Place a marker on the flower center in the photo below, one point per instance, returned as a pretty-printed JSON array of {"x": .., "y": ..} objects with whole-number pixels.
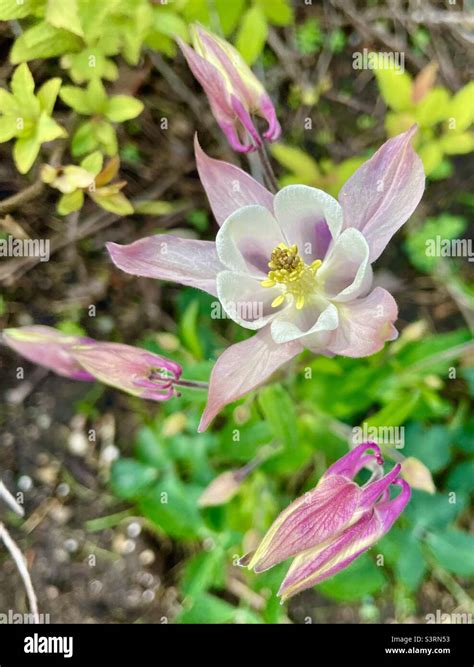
[{"x": 288, "y": 269}]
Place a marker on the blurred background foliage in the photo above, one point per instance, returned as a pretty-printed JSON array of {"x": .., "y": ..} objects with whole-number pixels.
[{"x": 106, "y": 97}]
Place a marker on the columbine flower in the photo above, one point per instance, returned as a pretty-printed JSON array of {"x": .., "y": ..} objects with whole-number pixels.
[
  {"x": 233, "y": 91},
  {"x": 327, "y": 528},
  {"x": 48, "y": 347},
  {"x": 131, "y": 369},
  {"x": 295, "y": 266}
]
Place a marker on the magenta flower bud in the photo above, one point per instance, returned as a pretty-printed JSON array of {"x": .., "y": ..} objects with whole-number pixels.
[
  {"x": 234, "y": 92},
  {"x": 316, "y": 522},
  {"x": 131, "y": 369},
  {"x": 48, "y": 347}
]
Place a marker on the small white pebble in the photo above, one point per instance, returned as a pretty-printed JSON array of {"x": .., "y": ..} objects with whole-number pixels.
[
  {"x": 77, "y": 443},
  {"x": 146, "y": 557},
  {"x": 110, "y": 454},
  {"x": 71, "y": 545},
  {"x": 25, "y": 483},
  {"x": 63, "y": 490},
  {"x": 134, "y": 529},
  {"x": 148, "y": 595}
]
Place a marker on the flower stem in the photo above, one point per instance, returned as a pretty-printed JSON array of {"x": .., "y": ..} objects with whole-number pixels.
[
  {"x": 192, "y": 384},
  {"x": 267, "y": 168}
]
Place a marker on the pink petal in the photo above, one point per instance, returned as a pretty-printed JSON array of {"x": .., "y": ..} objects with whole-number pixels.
[
  {"x": 325, "y": 560},
  {"x": 350, "y": 464},
  {"x": 317, "y": 516},
  {"x": 228, "y": 188},
  {"x": 242, "y": 368},
  {"x": 383, "y": 193},
  {"x": 365, "y": 325},
  {"x": 167, "y": 257}
]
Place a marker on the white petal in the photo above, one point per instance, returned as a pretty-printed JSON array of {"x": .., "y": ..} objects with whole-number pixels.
[
  {"x": 304, "y": 324},
  {"x": 245, "y": 241},
  {"x": 346, "y": 272},
  {"x": 245, "y": 301},
  {"x": 308, "y": 217}
]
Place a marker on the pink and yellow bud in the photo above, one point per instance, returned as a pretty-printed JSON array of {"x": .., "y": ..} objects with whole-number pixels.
[
  {"x": 328, "y": 527},
  {"x": 48, "y": 347},
  {"x": 131, "y": 369},
  {"x": 234, "y": 92}
]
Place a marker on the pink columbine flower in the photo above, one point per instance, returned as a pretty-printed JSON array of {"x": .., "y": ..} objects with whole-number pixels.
[
  {"x": 131, "y": 369},
  {"x": 327, "y": 528},
  {"x": 48, "y": 347},
  {"x": 234, "y": 92},
  {"x": 295, "y": 266}
]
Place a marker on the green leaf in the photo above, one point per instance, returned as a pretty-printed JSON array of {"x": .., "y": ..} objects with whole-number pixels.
[
  {"x": 96, "y": 96},
  {"x": 229, "y": 14},
  {"x": 454, "y": 550},
  {"x": 396, "y": 412},
  {"x": 25, "y": 152},
  {"x": 431, "y": 155},
  {"x": 12, "y": 9},
  {"x": 360, "y": 579},
  {"x": 427, "y": 510},
  {"x": 461, "y": 107},
  {"x": 122, "y": 107},
  {"x": 106, "y": 137},
  {"x": 429, "y": 445},
  {"x": 93, "y": 163},
  {"x": 297, "y": 161},
  {"x": 77, "y": 99},
  {"x": 115, "y": 203},
  {"x": 417, "y": 244},
  {"x": 130, "y": 479},
  {"x": 205, "y": 570},
  {"x": 8, "y": 104},
  {"x": 433, "y": 108},
  {"x": 461, "y": 477},
  {"x": 23, "y": 87},
  {"x": 395, "y": 88},
  {"x": 84, "y": 139},
  {"x": 167, "y": 22},
  {"x": 48, "y": 94},
  {"x": 188, "y": 327},
  {"x": 411, "y": 565},
  {"x": 252, "y": 34},
  {"x": 43, "y": 41},
  {"x": 8, "y": 128},
  {"x": 280, "y": 414},
  {"x": 208, "y": 609},
  {"x": 279, "y": 12},
  {"x": 70, "y": 202},
  {"x": 65, "y": 15},
  {"x": 47, "y": 129},
  {"x": 457, "y": 144}
]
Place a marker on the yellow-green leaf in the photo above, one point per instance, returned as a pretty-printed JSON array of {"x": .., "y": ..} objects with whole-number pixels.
[
  {"x": 461, "y": 108},
  {"x": 8, "y": 128},
  {"x": 70, "y": 202},
  {"x": 25, "y": 152},
  {"x": 122, "y": 107},
  {"x": 433, "y": 108},
  {"x": 48, "y": 94},
  {"x": 115, "y": 203},
  {"x": 12, "y": 9},
  {"x": 47, "y": 129},
  {"x": 93, "y": 163},
  {"x": 77, "y": 99},
  {"x": 278, "y": 12},
  {"x": 431, "y": 156},
  {"x": 297, "y": 161},
  {"x": 453, "y": 143},
  {"x": 64, "y": 14},
  {"x": 395, "y": 87},
  {"x": 23, "y": 87},
  {"x": 252, "y": 34},
  {"x": 43, "y": 41}
]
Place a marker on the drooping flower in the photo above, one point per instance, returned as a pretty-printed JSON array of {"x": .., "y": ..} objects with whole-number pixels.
[
  {"x": 295, "y": 266},
  {"x": 131, "y": 369},
  {"x": 234, "y": 92},
  {"x": 48, "y": 347},
  {"x": 327, "y": 528}
]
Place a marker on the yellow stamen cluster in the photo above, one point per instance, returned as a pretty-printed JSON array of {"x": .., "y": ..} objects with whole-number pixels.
[{"x": 288, "y": 268}]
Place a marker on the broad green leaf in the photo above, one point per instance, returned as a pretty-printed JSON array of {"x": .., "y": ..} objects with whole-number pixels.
[
  {"x": 454, "y": 550},
  {"x": 25, "y": 152},
  {"x": 461, "y": 108},
  {"x": 137, "y": 28},
  {"x": 417, "y": 244},
  {"x": 122, "y": 107},
  {"x": 279, "y": 12},
  {"x": 461, "y": 477},
  {"x": 208, "y": 609},
  {"x": 48, "y": 94},
  {"x": 360, "y": 579},
  {"x": 205, "y": 570},
  {"x": 433, "y": 108},
  {"x": 43, "y": 41},
  {"x": 170, "y": 24},
  {"x": 64, "y": 14},
  {"x": 188, "y": 327},
  {"x": 395, "y": 88},
  {"x": 437, "y": 510},
  {"x": 130, "y": 479},
  {"x": 115, "y": 203},
  {"x": 96, "y": 96},
  {"x": 106, "y": 137},
  {"x": 252, "y": 34},
  {"x": 431, "y": 155},
  {"x": 229, "y": 14},
  {"x": 297, "y": 161},
  {"x": 89, "y": 64},
  {"x": 279, "y": 411},
  {"x": 8, "y": 104},
  {"x": 410, "y": 566},
  {"x": 429, "y": 445},
  {"x": 70, "y": 202},
  {"x": 77, "y": 99},
  {"x": 150, "y": 449}
]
